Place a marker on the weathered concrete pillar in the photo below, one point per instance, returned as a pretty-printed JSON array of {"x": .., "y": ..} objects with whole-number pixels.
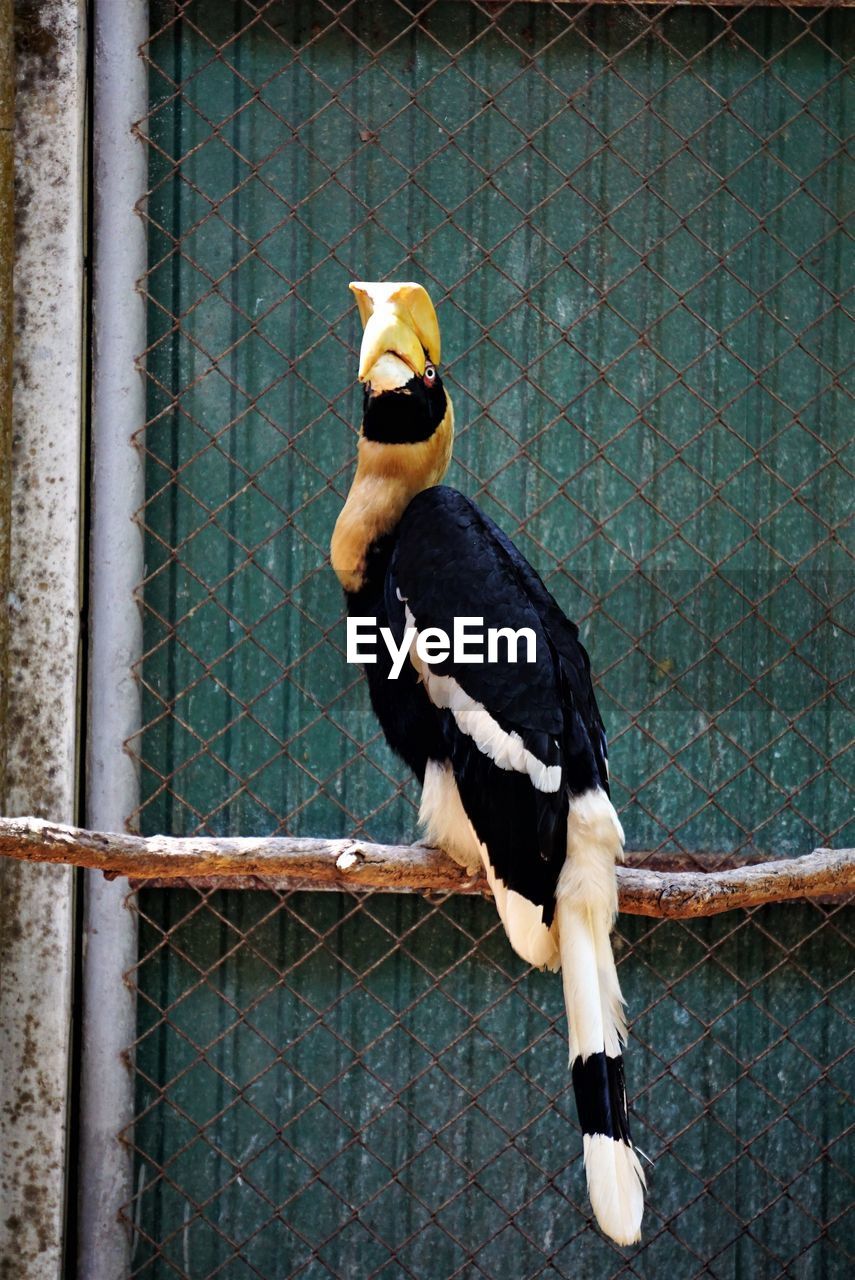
[{"x": 41, "y": 606}]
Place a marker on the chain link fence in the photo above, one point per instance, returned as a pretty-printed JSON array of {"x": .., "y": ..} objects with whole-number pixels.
[{"x": 631, "y": 219}]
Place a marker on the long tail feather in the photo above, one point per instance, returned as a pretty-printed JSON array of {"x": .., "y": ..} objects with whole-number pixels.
[{"x": 586, "y": 906}]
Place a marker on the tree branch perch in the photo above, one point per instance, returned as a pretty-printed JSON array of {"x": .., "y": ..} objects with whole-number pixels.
[{"x": 355, "y": 864}]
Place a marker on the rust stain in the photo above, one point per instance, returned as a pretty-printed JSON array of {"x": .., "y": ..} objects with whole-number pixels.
[{"x": 37, "y": 26}]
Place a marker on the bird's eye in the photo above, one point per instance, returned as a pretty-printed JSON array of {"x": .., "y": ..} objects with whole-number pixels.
[{"x": 430, "y": 375}]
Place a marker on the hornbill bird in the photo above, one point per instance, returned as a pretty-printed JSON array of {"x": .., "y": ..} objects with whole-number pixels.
[{"x": 511, "y": 754}]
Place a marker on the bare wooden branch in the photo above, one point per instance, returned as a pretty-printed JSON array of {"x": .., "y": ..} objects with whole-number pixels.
[
  {"x": 825, "y": 873},
  {"x": 355, "y": 864}
]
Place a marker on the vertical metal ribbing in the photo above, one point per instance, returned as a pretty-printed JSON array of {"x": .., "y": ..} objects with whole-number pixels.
[{"x": 116, "y": 630}]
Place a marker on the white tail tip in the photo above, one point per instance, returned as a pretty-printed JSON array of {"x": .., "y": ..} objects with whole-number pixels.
[{"x": 616, "y": 1187}]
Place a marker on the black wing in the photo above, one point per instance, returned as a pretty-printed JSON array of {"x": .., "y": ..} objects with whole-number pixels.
[{"x": 521, "y": 736}]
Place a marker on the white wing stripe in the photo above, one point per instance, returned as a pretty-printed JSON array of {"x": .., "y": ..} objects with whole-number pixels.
[
  {"x": 473, "y": 719},
  {"x": 507, "y": 750}
]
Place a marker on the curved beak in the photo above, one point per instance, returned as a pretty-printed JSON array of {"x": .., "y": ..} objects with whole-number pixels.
[{"x": 398, "y": 319}]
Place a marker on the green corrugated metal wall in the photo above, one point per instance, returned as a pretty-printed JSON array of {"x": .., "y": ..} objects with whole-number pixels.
[
  {"x": 400, "y": 1086},
  {"x": 626, "y": 470}
]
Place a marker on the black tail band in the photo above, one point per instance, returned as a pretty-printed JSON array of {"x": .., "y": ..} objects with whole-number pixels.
[{"x": 598, "y": 1084}]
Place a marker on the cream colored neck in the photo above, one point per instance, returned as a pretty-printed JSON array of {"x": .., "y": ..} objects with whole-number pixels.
[{"x": 388, "y": 477}]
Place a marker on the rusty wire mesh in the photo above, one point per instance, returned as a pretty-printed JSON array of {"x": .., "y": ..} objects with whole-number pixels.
[{"x": 631, "y": 220}]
